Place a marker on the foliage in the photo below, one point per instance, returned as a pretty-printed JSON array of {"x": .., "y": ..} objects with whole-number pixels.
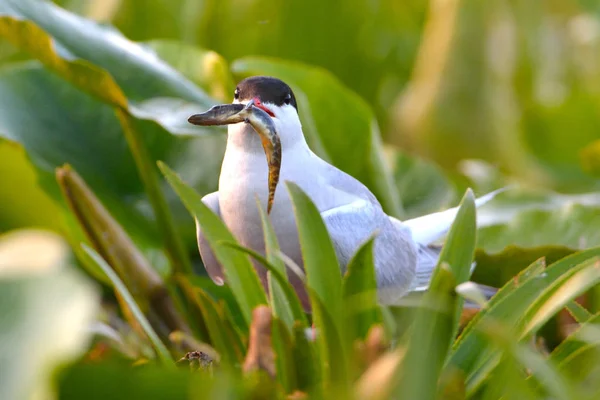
[{"x": 94, "y": 146}]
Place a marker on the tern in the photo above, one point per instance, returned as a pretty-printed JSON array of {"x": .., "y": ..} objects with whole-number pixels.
[{"x": 404, "y": 254}]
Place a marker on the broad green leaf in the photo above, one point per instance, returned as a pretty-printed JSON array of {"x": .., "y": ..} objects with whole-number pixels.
[
  {"x": 238, "y": 269},
  {"x": 61, "y": 132},
  {"x": 282, "y": 308},
  {"x": 532, "y": 218},
  {"x": 343, "y": 131},
  {"x": 99, "y": 60},
  {"x": 430, "y": 337},
  {"x": 22, "y": 201},
  {"x": 162, "y": 352},
  {"x": 46, "y": 307},
  {"x": 422, "y": 185},
  {"x": 205, "y": 68},
  {"x": 590, "y": 157},
  {"x": 360, "y": 293},
  {"x": 497, "y": 269}
]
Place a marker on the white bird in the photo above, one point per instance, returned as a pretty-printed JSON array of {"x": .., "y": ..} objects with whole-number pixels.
[{"x": 404, "y": 257}]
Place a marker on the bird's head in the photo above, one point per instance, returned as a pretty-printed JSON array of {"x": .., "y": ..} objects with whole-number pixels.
[{"x": 277, "y": 99}]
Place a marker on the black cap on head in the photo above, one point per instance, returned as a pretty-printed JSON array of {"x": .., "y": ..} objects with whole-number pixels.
[{"x": 267, "y": 89}]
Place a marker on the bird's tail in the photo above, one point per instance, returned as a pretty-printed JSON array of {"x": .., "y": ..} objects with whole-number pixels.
[{"x": 429, "y": 228}]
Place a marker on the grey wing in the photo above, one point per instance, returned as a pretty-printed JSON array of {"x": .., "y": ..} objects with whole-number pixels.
[
  {"x": 212, "y": 266},
  {"x": 347, "y": 183},
  {"x": 395, "y": 253}
]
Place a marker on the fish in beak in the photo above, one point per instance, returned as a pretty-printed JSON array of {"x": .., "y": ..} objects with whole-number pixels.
[{"x": 262, "y": 124}]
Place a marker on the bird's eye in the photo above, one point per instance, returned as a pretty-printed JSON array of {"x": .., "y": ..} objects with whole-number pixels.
[
  {"x": 236, "y": 94},
  {"x": 287, "y": 99}
]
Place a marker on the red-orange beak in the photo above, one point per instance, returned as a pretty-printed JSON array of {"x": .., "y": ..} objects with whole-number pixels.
[{"x": 259, "y": 104}]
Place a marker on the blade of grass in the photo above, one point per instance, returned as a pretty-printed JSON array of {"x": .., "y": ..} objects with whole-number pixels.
[
  {"x": 437, "y": 319},
  {"x": 429, "y": 339},
  {"x": 161, "y": 351},
  {"x": 238, "y": 269},
  {"x": 579, "y": 312},
  {"x": 572, "y": 284},
  {"x": 284, "y": 359},
  {"x": 534, "y": 306},
  {"x": 324, "y": 287},
  {"x": 361, "y": 307},
  {"x": 214, "y": 320},
  {"x": 322, "y": 269},
  {"x": 279, "y": 300},
  {"x": 471, "y": 351},
  {"x": 542, "y": 371},
  {"x": 459, "y": 248},
  {"x": 309, "y": 375},
  {"x": 289, "y": 295}
]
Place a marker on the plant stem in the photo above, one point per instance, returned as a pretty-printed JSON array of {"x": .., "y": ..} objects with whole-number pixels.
[{"x": 147, "y": 170}]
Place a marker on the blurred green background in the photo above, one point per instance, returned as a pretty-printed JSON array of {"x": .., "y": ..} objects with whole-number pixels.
[{"x": 418, "y": 99}]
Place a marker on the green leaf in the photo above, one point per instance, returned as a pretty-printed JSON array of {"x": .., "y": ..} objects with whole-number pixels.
[
  {"x": 578, "y": 312},
  {"x": 577, "y": 341},
  {"x": 323, "y": 274},
  {"x": 309, "y": 375},
  {"x": 102, "y": 62},
  {"x": 289, "y": 296},
  {"x": 113, "y": 380},
  {"x": 557, "y": 295},
  {"x": 46, "y": 306},
  {"x": 540, "y": 369},
  {"x": 324, "y": 286},
  {"x": 205, "y": 68},
  {"x": 343, "y": 132},
  {"x": 283, "y": 306},
  {"x": 470, "y": 353},
  {"x": 459, "y": 248},
  {"x": 161, "y": 351},
  {"x": 590, "y": 158},
  {"x": 218, "y": 331},
  {"x": 422, "y": 185},
  {"x": 284, "y": 358},
  {"x": 430, "y": 338},
  {"x": 360, "y": 293},
  {"x": 333, "y": 351},
  {"x": 239, "y": 272},
  {"x": 532, "y": 218},
  {"x": 114, "y": 245},
  {"x": 534, "y": 270}
]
